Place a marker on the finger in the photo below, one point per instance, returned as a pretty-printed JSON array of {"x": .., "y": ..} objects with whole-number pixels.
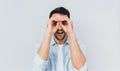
[
  {"x": 53, "y": 22},
  {"x": 50, "y": 22},
  {"x": 57, "y": 25},
  {"x": 64, "y": 28},
  {"x": 53, "y": 19},
  {"x": 70, "y": 23},
  {"x": 68, "y": 20}
]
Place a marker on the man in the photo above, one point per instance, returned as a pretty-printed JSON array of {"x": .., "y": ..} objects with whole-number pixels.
[{"x": 62, "y": 51}]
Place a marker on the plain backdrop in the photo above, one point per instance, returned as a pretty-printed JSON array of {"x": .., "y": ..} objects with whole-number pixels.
[{"x": 23, "y": 24}]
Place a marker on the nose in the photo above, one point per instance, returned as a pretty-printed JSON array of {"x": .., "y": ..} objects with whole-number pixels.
[{"x": 60, "y": 26}]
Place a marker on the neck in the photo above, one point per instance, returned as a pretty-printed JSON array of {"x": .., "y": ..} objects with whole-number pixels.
[{"x": 59, "y": 42}]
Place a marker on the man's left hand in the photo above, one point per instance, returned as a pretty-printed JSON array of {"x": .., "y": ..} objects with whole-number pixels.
[{"x": 67, "y": 25}]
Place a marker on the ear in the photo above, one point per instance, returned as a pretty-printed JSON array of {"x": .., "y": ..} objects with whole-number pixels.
[
  {"x": 72, "y": 24},
  {"x": 47, "y": 25}
]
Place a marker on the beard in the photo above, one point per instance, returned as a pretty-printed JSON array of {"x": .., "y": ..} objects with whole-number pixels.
[{"x": 60, "y": 35}]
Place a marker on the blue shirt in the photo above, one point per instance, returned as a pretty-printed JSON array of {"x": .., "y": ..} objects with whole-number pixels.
[{"x": 39, "y": 64}]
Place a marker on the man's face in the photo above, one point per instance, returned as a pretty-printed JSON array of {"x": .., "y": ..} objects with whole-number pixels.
[{"x": 60, "y": 34}]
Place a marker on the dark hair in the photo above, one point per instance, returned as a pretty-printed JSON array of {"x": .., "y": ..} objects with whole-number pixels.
[{"x": 60, "y": 10}]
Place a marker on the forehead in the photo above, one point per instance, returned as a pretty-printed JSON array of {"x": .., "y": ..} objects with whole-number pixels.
[{"x": 59, "y": 17}]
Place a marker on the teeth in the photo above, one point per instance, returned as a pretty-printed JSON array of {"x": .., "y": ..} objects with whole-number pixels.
[{"x": 60, "y": 32}]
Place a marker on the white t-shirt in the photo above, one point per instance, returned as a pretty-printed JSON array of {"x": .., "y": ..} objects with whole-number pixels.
[{"x": 60, "y": 65}]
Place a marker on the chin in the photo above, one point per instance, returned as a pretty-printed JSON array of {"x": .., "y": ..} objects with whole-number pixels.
[{"x": 60, "y": 38}]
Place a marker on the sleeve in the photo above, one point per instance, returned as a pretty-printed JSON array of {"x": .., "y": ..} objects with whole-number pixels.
[{"x": 38, "y": 64}]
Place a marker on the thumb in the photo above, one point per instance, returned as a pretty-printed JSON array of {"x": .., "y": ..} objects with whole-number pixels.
[
  {"x": 57, "y": 25},
  {"x": 64, "y": 28}
]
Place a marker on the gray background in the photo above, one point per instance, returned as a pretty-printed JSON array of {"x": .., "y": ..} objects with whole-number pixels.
[{"x": 23, "y": 23}]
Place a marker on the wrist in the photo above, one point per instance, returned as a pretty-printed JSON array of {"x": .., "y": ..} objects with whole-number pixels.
[
  {"x": 71, "y": 32},
  {"x": 49, "y": 34}
]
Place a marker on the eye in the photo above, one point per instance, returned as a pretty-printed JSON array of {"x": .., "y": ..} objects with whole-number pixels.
[
  {"x": 64, "y": 22},
  {"x": 54, "y": 23}
]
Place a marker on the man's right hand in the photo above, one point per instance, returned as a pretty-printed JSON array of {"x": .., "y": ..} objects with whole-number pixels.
[{"x": 52, "y": 26}]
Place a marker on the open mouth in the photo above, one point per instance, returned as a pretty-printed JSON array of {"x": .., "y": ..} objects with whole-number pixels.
[{"x": 60, "y": 32}]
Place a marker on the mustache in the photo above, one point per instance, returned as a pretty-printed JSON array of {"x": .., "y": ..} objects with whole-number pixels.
[{"x": 60, "y": 30}]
